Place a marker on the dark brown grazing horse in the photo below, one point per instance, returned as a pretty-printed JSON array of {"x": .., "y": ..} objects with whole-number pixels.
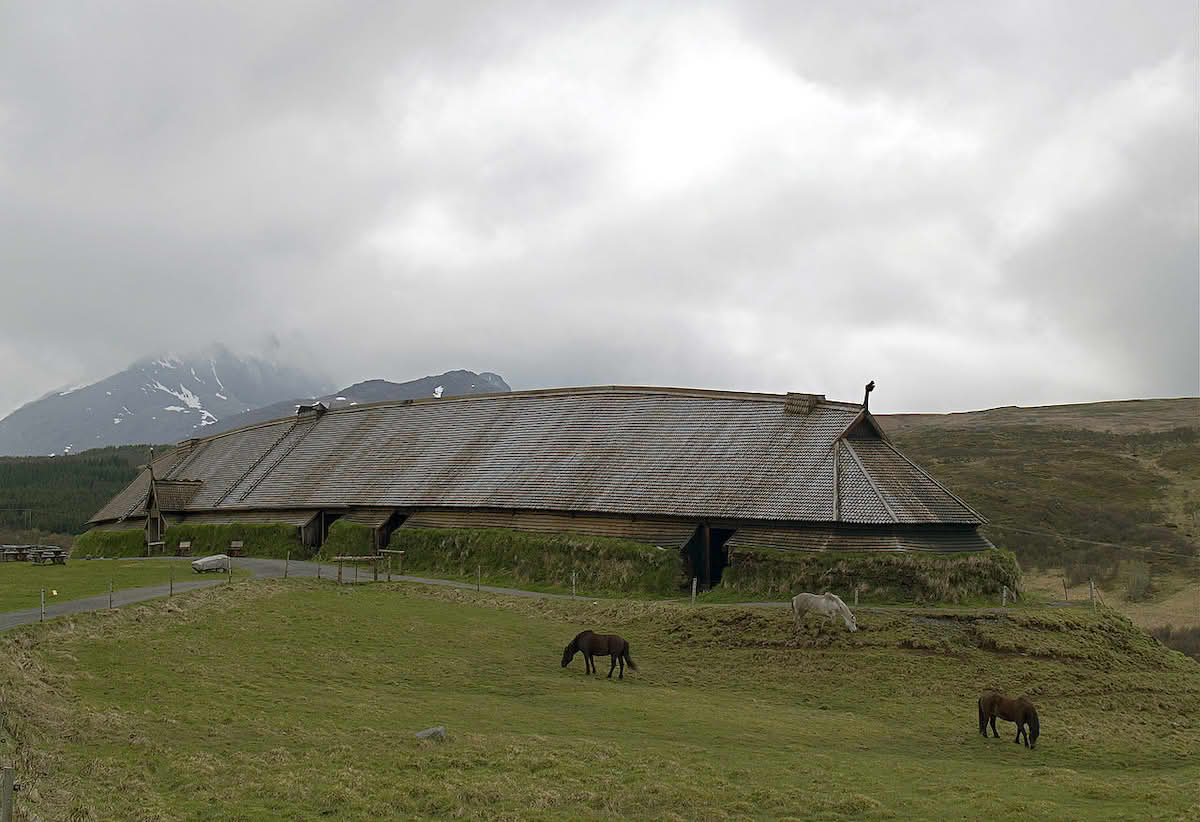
[
  {"x": 599, "y": 645},
  {"x": 1019, "y": 710}
]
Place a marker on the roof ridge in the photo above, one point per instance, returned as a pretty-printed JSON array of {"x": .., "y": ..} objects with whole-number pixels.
[{"x": 647, "y": 390}]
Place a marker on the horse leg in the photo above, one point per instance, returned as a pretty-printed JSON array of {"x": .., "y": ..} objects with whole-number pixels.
[
  {"x": 620, "y": 658},
  {"x": 589, "y": 666},
  {"x": 1017, "y": 741},
  {"x": 995, "y": 733},
  {"x": 612, "y": 665}
]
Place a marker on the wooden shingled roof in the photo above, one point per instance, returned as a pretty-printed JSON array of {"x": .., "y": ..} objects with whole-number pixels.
[{"x": 613, "y": 449}]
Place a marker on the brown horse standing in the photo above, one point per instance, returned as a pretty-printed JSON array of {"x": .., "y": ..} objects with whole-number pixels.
[
  {"x": 599, "y": 645},
  {"x": 1019, "y": 710}
]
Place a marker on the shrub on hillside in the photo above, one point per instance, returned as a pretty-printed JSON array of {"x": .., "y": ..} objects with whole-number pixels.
[
  {"x": 1138, "y": 583},
  {"x": 1099, "y": 563},
  {"x": 110, "y": 544},
  {"x": 1184, "y": 640},
  {"x": 879, "y": 575},
  {"x": 601, "y": 564}
]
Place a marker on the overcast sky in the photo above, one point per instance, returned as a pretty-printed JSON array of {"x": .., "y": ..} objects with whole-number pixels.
[{"x": 974, "y": 204}]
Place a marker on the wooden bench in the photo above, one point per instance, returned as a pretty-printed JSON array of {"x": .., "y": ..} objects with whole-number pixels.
[
  {"x": 236, "y": 548},
  {"x": 184, "y": 549}
]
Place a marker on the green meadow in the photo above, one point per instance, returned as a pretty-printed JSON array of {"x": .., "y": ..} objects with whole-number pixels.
[
  {"x": 21, "y": 583},
  {"x": 296, "y": 700}
]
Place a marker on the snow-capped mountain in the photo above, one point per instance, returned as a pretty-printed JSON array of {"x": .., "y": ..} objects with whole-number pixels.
[{"x": 156, "y": 400}]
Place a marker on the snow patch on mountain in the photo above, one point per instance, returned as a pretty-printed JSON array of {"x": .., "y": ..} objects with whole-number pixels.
[{"x": 187, "y": 397}]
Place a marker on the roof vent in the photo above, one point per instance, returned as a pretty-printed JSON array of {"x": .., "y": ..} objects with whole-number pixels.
[
  {"x": 803, "y": 404},
  {"x": 314, "y": 410}
]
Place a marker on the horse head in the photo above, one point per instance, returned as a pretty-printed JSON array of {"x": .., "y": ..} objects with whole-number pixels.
[
  {"x": 568, "y": 653},
  {"x": 1034, "y": 726}
]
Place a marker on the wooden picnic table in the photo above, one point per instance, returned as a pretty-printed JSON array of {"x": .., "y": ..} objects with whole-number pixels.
[{"x": 48, "y": 556}]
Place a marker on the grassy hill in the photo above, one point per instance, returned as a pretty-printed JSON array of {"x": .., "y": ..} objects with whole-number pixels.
[
  {"x": 1126, "y": 473},
  {"x": 292, "y": 700},
  {"x": 49, "y": 499}
]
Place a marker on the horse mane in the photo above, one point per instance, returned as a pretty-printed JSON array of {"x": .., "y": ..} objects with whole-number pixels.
[{"x": 842, "y": 607}]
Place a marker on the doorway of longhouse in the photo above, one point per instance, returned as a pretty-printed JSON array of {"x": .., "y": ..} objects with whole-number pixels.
[{"x": 705, "y": 555}]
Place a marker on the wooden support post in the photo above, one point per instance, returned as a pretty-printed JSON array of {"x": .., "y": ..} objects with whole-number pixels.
[
  {"x": 7, "y": 785},
  {"x": 43, "y": 605},
  {"x": 356, "y": 573},
  {"x": 287, "y": 560},
  {"x": 572, "y": 585},
  {"x": 228, "y": 570},
  {"x": 110, "y": 586},
  {"x": 856, "y": 596},
  {"x": 1066, "y": 594},
  {"x": 389, "y": 567},
  {"x": 1092, "y": 593},
  {"x": 375, "y": 569},
  {"x": 339, "y": 572},
  {"x": 477, "y": 575},
  {"x": 693, "y": 590},
  {"x": 1004, "y": 598},
  {"x": 170, "y": 581},
  {"x": 707, "y": 556}
]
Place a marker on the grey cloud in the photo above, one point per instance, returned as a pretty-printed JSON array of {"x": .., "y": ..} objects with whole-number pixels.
[{"x": 173, "y": 175}]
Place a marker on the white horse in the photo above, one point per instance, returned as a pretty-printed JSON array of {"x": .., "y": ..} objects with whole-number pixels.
[{"x": 825, "y": 604}]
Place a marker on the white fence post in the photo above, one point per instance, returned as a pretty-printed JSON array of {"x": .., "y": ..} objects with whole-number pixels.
[
  {"x": 6, "y": 794},
  {"x": 572, "y": 585}
]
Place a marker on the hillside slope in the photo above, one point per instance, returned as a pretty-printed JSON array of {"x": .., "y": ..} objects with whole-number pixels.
[
  {"x": 1118, "y": 472},
  {"x": 46, "y": 499}
]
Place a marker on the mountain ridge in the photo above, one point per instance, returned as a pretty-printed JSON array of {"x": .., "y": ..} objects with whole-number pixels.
[{"x": 169, "y": 398}]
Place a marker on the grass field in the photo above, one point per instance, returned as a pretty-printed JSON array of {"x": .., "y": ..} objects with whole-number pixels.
[
  {"x": 295, "y": 700},
  {"x": 21, "y": 583}
]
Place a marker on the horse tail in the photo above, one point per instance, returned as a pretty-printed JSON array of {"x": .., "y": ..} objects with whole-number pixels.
[
  {"x": 628, "y": 659},
  {"x": 1034, "y": 725},
  {"x": 982, "y": 718}
]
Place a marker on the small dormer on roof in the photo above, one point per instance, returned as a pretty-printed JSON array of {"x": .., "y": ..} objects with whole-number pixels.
[
  {"x": 314, "y": 410},
  {"x": 802, "y": 404}
]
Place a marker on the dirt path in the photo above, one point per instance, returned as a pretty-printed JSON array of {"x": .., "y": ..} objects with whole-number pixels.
[{"x": 259, "y": 568}]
